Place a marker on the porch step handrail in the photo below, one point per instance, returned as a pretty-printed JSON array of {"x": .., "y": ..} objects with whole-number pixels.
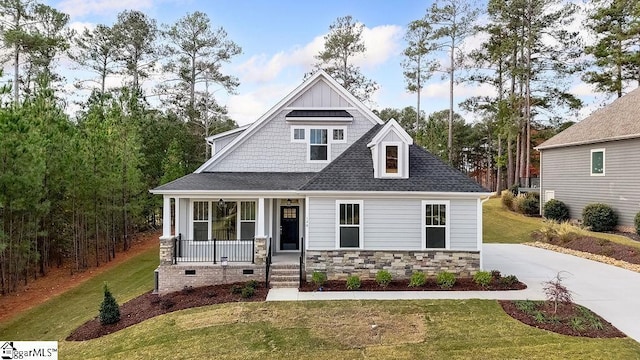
[{"x": 268, "y": 265}]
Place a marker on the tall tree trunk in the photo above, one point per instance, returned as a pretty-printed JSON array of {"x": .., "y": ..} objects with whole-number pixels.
[
  {"x": 499, "y": 167},
  {"x": 451, "y": 77}
]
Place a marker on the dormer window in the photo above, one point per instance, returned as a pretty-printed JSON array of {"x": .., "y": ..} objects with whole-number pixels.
[{"x": 391, "y": 154}]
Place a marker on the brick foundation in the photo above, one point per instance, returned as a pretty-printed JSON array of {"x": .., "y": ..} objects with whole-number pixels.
[
  {"x": 175, "y": 278},
  {"x": 338, "y": 264}
]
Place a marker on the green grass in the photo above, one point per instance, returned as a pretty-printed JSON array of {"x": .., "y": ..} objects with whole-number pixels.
[
  {"x": 507, "y": 227},
  {"x": 58, "y": 317},
  {"x": 434, "y": 329}
]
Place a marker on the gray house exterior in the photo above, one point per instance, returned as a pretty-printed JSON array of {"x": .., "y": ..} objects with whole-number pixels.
[
  {"x": 596, "y": 160},
  {"x": 318, "y": 183}
]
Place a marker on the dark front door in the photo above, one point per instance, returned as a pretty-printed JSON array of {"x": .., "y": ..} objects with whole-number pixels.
[{"x": 289, "y": 228}]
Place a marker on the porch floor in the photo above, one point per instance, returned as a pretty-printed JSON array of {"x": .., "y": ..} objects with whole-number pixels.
[{"x": 286, "y": 259}]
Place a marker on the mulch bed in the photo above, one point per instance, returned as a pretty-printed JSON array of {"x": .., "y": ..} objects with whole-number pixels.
[
  {"x": 462, "y": 284},
  {"x": 150, "y": 305},
  {"x": 599, "y": 246},
  {"x": 562, "y": 322}
]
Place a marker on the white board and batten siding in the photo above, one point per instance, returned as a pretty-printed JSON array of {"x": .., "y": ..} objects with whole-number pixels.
[
  {"x": 320, "y": 95},
  {"x": 392, "y": 224}
]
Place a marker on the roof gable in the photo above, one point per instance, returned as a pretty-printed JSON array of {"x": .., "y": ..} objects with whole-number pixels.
[
  {"x": 618, "y": 120},
  {"x": 391, "y": 126},
  {"x": 320, "y": 76}
]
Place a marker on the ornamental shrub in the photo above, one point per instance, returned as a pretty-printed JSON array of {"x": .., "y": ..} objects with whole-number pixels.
[
  {"x": 530, "y": 205},
  {"x": 383, "y": 278},
  {"x": 109, "y": 309},
  {"x": 507, "y": 199},
  {"x": 446, "y": 280},
  {"x": 514, "y": 189},
  {"x": 599, "y": 217},
  {"x": 556, "y": 210},
  {"x": 482, "y": 278},
  {"x": 637, "y": 222},
  {"x": 353, "y": 282},
  {"x": 319, "y": 278},
  {"x": 417, "y": 279},
  {"x": 248, "y": 291}
]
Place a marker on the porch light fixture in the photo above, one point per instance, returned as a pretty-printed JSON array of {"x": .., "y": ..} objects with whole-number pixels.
[
  {"x": 221, "y": 203},
  {"x": 288, "y": 202}
]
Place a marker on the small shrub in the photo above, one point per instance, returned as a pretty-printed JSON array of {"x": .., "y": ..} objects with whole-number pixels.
[
  {"x": 556, "y": 292},
  {"x": 556, "y": 210},
  {"x": 383, "y": 278},
  {"x": 482, "y": 278},
  {"x": 353, "y": 282},
  {"x": 526, "y": 306},
  {"x": 506, "y": 197},
  {"x": 319, "y": 278},
  {"x": 599, "y": 217},
  {"x": 539, "y": 317},
  {"x": 577, "y": 323},
  {"x": 637, "y": 223},
  {"x": 446, "y": 280},
  {"x": 496, "y": 274},
  {"x": 418, "y": 279},
  {"x": 252, "y": 284},
  {"x": 109, "y": 309},
  {"x": 509, "y": 280},
  {"x": 247, "y": 292},
  {"x": 236, "y": 289},
  {"x": 548, "y": 231},
  {"x": 530, "y": 205},
  {"x": 167, "y": 303},
  {"x": 517, "y": 201}
]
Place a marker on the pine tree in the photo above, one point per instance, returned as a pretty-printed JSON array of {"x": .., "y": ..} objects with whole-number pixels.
[{"x": 109, "y": 309}]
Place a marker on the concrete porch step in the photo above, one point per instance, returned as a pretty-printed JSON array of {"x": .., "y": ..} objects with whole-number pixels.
[
  {"x": 285, "y": 266},
  {"x": 284, "y": 284},
  {"x": 285, "y": 278},
  {"x": 294, "y": 272}
]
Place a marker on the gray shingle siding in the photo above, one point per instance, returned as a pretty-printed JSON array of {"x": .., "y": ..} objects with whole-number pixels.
[
  {"x": 566, "y": 171},
  {"x": 270, "y": 148}
]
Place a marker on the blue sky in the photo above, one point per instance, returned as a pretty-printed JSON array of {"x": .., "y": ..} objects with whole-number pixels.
[{"x": 280, "y": 38}]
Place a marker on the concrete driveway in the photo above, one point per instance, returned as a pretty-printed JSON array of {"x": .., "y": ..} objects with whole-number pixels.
[{"x": 612, "y": 292}]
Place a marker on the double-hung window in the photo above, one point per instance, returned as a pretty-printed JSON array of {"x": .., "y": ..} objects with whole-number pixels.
[
  {"x": 247, "y": 220},
  {"x": 224, "y": 223},
  {"x": 349, "y": 223},
  {"x": 318, "y": 145},
  {"x": 435, "y": 224},
  {"x": 597, "y": 162},
  {"x": 200, "y": 220}
]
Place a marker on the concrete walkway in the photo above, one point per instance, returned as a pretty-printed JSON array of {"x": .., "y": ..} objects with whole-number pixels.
[{"x": 612, "y": 292}]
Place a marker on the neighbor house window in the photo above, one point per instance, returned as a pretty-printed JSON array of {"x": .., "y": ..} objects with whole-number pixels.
[
  {"x": 247, "y": 220},
  {"x": 224, "y": 222},
  {"x": 349, "y": 224},
  {"x": 391, "y": 159},
  {"x": 338, "y": 134},
  {"x": 435, "y": 221},
  {"x": 298, "y": 134},
  {"x": 200, "y": 220},
  {"x": 318, "y": 146},
  {"x": 597, "y": 162}
]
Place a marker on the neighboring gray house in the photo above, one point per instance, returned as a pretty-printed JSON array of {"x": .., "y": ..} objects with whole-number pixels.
[
  {"x": 596, "y": 160},
  {"x": 320, "y": 182}
]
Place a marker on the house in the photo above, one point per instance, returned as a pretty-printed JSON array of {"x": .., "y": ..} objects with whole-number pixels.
[
  {"x": 318, "y": 183},
  {"x": 596, "y": 160}
]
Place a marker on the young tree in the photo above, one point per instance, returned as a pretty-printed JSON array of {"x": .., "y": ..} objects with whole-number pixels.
[
  {"x": 616, "y": 58},
  {"x": 417, "y": 68},
  {"x": 342, "y": 43},
  {"x": 453, "y": 21}
]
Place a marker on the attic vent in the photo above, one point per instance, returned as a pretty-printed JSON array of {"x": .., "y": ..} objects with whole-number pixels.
[{"x": 319, "y": 115}]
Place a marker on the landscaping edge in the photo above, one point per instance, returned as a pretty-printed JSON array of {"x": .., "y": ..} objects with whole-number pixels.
[{"x": 586, "y": 255}]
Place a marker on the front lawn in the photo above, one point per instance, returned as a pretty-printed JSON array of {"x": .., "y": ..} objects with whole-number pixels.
[{"x": 434, "y": 329}]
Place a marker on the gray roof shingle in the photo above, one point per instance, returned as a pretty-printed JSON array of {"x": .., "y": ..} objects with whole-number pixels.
[
  {"x": 353, "y": 171},
  {"x": 618, "y": 120},
  {"x": 211, "y": 181}
]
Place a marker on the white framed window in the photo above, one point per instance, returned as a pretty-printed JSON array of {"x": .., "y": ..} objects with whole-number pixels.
[
  {"x": 435, "y": 224},
  {"x": 597, "y": 162},
  {"x": 349, "y": 227},
  {"x": 200, "y": 221},
  {"x": 339, "y": 135},
  {"x": 247, "y": 220},
  {"x": 318, "y": 145},
  {"x": 298, "y": 134},
  {"x": 391, "y": 152}
]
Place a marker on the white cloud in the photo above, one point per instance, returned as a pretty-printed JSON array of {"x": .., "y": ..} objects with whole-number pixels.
[
  {"x": 248, "y": 107},
  {"x": 85, "y": 7},
  {"x": 382, "y": 42}
]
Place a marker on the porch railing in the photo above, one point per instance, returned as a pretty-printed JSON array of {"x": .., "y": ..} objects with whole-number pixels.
[
  {"x": 214, "y": 250},
  {"x": 268, "y": 265},
  {"x": 302, "y": 272}
]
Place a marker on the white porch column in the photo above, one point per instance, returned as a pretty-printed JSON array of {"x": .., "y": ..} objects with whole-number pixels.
[
  {"x": 166, "y": 216},
  {"x": 261, "y": 216},
  {"x": 177, "y": 222}
]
